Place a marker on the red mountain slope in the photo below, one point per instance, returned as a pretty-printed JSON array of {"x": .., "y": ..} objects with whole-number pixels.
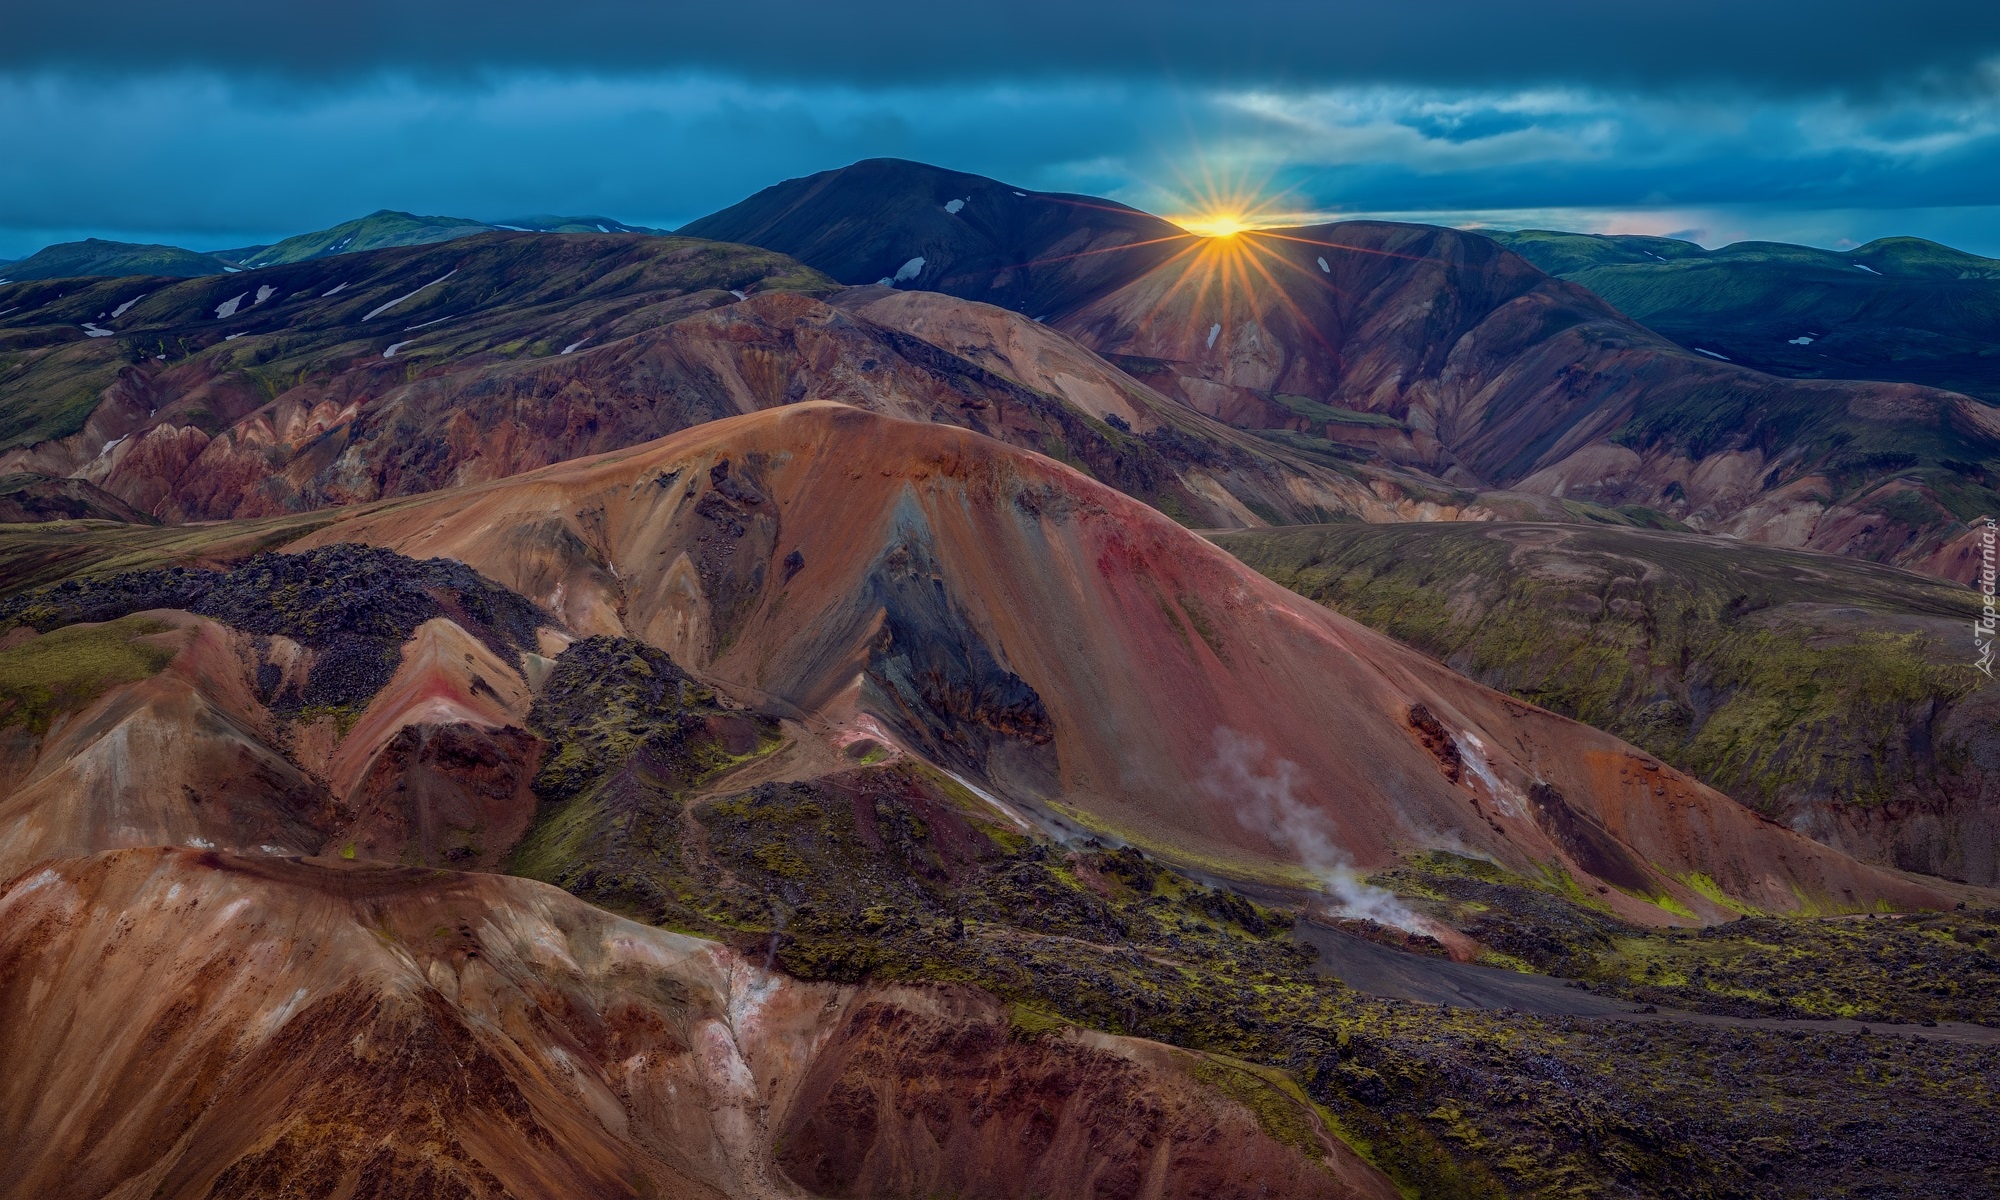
[{"x": 1082, "y": 655}]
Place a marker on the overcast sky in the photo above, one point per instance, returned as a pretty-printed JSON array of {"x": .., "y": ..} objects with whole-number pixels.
[{"x": 217, "y": 124}]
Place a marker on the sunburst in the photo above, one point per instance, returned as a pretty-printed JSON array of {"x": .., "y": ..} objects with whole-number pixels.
[{"x": 1217, "y": 203}]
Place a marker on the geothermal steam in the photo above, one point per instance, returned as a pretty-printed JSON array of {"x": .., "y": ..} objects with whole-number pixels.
[{"x": 1264, "y": 802}]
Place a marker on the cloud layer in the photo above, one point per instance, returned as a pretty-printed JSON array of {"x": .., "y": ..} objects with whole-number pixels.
[
  {"x": 1771, "y": 44},
  {"x": 222, "y": 124}
]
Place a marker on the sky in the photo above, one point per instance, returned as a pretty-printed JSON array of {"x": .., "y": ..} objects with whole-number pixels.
[{"x": 223, "y": 123}]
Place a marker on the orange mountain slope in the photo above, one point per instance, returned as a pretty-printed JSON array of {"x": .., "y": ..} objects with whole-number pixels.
[{"x": 1082, "y": 656}]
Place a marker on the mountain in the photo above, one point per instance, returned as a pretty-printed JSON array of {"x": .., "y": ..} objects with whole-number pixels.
[
  {"x": 386, "y": 228},
  {"x": 887, "y": 220},
  {"x": 1900, "y": 309},
  {"x": 1437, "y": 351},
  {"x": 992, "y": 612},
  {"x": 30, "y": 497},
  {"x": 377, "y": 230},
  {"x": 1442, "y": 351},
  {"x": 1836, "y": 696},
  {"x": 961, "y": 582},
  {"x": 545, "y": 223},
  {"x": 94, "y": 256},
  {"x": 994, "y": 810},
  {"x": 395, "y": 371}
]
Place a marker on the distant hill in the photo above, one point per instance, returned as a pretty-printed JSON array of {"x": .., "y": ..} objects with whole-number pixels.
[
  {"x": 379, "y": 230},
  {"x": 385, "y": 228},
  {"x": 94, "y": 256},
  {"x": 1898, "y": 309},
  {"x": 552, "y": 224}
]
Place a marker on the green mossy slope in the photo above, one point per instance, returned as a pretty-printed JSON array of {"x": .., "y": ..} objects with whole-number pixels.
[
  {"x": 64, "y": 671},
  {"x": 1779, "y": 677}
]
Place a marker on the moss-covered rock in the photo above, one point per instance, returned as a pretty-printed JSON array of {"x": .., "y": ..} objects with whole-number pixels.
[{"x": 352, "y": 606}]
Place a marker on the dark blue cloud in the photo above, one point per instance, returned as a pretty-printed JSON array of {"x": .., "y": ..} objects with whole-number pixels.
[
  {"x": 225, "y": 124},
  {"x": 1809, "y": 44}
]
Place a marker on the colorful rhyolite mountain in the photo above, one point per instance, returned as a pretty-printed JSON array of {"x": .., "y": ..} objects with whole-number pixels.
[
  {"x": 1428, "y": 348},
  {"x": 849, "y": 657}
]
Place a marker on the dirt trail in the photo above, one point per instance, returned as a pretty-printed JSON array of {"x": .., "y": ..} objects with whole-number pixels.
[{"x": 1380, "y": 970}]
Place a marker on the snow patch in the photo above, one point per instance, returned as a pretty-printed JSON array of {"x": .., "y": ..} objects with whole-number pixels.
[
  {"x": 1712, "y": 354},
  {"x": 264, "y": 292},
  {"x": 393, "y": 347},
  {"x": 1214, "y": 331},
  {"x": 201, "y": 843},
  {"x": 232, "y": 270},
  {"x": 90, "y": 329},
  {"x": 1802, "y": 340},
  {"x": 885, "y": 281},
  {"x": 602, "y": 229},
  {"x": 1323, "y": 267},
  {"x": 739, "y": 295},
  {"x": 335, "y": 288},
  {"x": 112, "y": 444},
  {"x": 228, "y": 307},
  {"x": 1870, "y": 270},
  {"x": 379, "y": 309},
  {"x": 120, "y": 310},
  {"x": 42, "y": 880},
  {"x": 1472, "y": 752},
  {"x": 1020, "y": 193},
  {"x": 910, "y": 270},
  {"x": 954, "y": 206},
  {"x": 427, "y": 324},
  {"x": 230, "y": 337},
  {"x": 515, "y": 228},
  {"x": 572, "y": 346}
]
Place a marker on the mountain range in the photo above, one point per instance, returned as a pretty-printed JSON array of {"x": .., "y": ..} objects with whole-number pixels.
[
  {"x": 910, "y": 686},
  {"x": 1897, "y": 309},
  {"x": 377, "y": 230}
]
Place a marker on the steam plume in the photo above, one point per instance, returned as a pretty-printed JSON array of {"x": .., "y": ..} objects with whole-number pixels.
[{"x": 1264, "y": 802}]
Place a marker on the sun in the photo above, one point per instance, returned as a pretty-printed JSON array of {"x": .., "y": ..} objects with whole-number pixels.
[
  {"x": 1217, "y": 224},
  {"x": 1222, "y": 204}
]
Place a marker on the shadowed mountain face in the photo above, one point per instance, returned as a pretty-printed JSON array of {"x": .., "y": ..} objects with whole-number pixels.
[
  {"x": 886, "y": 220},
  {"x": 1839, "y": 697},
  {"x": 1897, "y": 309},
  {"x": 1439, "y": 351}
]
